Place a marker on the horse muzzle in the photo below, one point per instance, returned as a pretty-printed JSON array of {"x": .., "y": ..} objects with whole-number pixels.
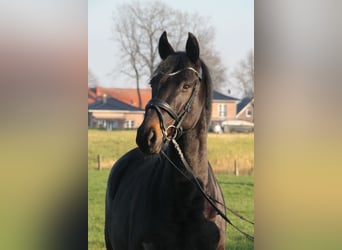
[{"x": 150, "y": 137}]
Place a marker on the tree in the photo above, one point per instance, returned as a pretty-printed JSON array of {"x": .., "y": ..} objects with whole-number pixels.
[
  {"x": 92, "y": 79},
  {"x": 138, "y": 26},
  {"x": 244, "y": 75}
]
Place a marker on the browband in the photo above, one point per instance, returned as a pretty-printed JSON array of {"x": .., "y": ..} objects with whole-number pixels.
[{"x": 198, "y": 73}]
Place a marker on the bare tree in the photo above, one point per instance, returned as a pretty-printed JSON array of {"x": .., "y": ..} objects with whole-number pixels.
[
  {"x": 138, "y": 26},
  {"x": 129, "y": 40},
  {"x": 244, "y": 75},
  {"x": 200, "y": 26},
  {"x": 92, "y": 80}
]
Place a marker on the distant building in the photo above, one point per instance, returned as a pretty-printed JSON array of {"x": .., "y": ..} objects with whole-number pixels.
[
  {"x": 110, "y": 113},
  {"x": 118, "y": 108},
  {"x": 223, "y": 108},
  {"x": 245, "y": 110},
  {"x": 244, "y": 119}
]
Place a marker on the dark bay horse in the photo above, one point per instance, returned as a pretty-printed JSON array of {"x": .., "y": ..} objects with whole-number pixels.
[{"x": 152, "y": 201}]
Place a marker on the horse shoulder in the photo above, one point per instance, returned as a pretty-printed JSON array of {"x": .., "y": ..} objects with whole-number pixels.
[
  {"x": 116, "y": 175},
  {"x": 119, "y": 169}
]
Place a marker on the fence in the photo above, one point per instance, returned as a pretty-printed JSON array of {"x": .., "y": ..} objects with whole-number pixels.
[{"x": 231, "y": 167}]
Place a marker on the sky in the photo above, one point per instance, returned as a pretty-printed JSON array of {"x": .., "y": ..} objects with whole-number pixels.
[{"x": 233, "y": 22}]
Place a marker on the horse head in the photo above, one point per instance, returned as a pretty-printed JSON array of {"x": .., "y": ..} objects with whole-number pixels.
[{"x": 177, "y": 96}]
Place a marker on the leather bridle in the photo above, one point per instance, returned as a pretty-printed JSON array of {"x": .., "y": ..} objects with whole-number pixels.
[{"x": 175, "y": 130}]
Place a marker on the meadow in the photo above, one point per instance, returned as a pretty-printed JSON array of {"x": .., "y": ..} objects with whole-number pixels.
[{"x": 223, "y": 150}]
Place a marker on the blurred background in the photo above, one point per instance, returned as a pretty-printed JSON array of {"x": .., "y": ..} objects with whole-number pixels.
[{"x": 44, "y": 69}]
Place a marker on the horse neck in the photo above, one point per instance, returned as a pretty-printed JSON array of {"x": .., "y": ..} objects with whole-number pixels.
[{"x": 193, "y": 144}]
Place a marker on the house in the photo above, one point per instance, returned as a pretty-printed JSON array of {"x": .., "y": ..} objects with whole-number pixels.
[
  {"x": 244, "y": 119},
  {"x": 231, "y": 114},
  {"x": 111, "y": 113},
  {"x": 118, "y": 108},
  {"x": 223, "y": 108},
  {"x": 245, "y": 110}
]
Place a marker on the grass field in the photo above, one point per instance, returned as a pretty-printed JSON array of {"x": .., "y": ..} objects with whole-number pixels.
[
  {"x": 223, "y": 149},
  {"x": 238, "y": 192}
]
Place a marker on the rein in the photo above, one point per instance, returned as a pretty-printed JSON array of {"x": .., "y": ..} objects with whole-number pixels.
[{"x": 210, "y": 199}]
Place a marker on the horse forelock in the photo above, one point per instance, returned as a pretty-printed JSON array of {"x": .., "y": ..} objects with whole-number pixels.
[{"x": 170, "y": 64}]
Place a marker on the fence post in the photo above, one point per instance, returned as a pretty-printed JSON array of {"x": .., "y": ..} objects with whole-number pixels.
[
  {"x": 99, "y": 162},
  {"x": 236, "y": 169}
]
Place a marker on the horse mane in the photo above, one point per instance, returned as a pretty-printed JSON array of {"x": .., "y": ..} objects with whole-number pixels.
[{"x": 206, "y": 78}]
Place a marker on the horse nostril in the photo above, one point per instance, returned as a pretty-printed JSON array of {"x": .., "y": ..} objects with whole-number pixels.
[{"x": 151, "y": 138}]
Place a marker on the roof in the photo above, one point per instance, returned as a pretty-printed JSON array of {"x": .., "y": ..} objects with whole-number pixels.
[
  {"x": 221, "y": 97},
  {"x": 130, "y": 96},
  {"x": 125, "y": 95},
  {"x": 91, "y": 96},
  {"x": 243, "y": 104},
  {"x": 112, "y": 104}
]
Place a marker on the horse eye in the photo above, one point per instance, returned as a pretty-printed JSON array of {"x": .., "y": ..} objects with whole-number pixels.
[{"x": 186, "y": 86}]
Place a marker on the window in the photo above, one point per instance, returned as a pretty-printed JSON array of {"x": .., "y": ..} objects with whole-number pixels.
[
  {"x": 249, "y": 113},
  {"x": 100, "y": 123},
  {"x": 222, "y": 110},
  {"x": 129, "y": 124}
]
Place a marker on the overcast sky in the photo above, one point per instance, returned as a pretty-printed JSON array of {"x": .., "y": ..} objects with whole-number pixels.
[{"x": 233, "y": 22}]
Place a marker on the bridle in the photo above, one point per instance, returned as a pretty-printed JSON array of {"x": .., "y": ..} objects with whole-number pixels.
[{"x": 175, "y": 130}]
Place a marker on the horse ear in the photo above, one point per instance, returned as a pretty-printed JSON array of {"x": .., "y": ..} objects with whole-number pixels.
[
  {"x": 192, "y": 48},
  {"x": 164, "y": 47}
]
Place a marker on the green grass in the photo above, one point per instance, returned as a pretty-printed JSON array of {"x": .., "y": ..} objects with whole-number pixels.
[
  {"x": 97, "y": 181},
  {"x": 223, "y": 149},
  {"x": 238, "y": 193}
]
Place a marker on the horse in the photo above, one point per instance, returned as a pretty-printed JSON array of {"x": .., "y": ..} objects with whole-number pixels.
[{"x": 155, "y": 197}]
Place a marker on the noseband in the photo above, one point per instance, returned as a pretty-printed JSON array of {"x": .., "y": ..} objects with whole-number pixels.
[{"x": 159, "y": 105}]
